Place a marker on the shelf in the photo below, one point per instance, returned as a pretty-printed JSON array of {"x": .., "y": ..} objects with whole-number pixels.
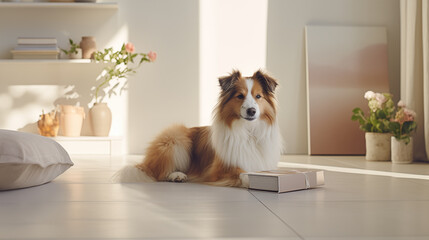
[
  {"x": 89, "y": 145},
  {"x": 42, "y": 5},
  {"x": 45, "y": 61},
  {"x": 48, "y": 71}
]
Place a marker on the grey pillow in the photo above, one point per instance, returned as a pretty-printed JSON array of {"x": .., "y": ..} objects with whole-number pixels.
[{"x": 28, "y": 159}]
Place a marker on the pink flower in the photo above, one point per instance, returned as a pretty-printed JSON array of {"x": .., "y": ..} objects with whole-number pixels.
[
  {"x": 129, "y": 47},
  {"x": 380, "y": 98},
  {"x": 404, "y": 115},
  {"x": 410, "y": 113},
  {"x": 152, "y": 56}
]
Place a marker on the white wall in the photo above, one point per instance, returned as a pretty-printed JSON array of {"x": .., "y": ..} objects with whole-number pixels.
[
  {"x": 165, "y": 92},
  {"x": 197, "y": 41},
  {"x": 232, "y": 36},
  {"x": 286, "y": 53}
]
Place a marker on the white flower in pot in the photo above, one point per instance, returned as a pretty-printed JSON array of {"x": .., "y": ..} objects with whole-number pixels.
[{"x": 376, "y": 125}]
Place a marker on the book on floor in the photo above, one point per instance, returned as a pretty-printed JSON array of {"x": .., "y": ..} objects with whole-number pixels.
[{"x": 286, "y": 180}]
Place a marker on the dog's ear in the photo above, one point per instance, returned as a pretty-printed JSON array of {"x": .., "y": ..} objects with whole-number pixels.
[
  {"x": 268, "y": 83},
  {"x": 228, "y": 82}
]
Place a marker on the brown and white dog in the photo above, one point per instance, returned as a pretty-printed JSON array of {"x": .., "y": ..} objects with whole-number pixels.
[{"x": 244, "y": 137}]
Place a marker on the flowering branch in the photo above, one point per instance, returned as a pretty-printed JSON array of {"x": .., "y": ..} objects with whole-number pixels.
[{"x": 121, "y": 66}]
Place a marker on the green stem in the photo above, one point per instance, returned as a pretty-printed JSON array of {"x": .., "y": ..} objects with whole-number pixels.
[
  {"x": 400, "y": 131},
  {"x": 363, "y": 117},
  {"x": 98, "y": 88}
]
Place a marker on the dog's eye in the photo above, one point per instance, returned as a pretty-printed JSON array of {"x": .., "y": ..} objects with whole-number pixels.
[
  {"x": 258, "y": 96},
  {"x": 241, "y": 96}
]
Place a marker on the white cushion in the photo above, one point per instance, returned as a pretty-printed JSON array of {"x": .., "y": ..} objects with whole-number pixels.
[{"x": 28, "y": 159}]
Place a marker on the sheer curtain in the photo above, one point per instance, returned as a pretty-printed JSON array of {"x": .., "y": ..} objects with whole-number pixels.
[{"x": 415, "y": 69}]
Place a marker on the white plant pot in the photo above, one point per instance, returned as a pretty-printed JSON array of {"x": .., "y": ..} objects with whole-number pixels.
[
  {"x": 377, "y": 146},
  {"x": 401, "y": 152},
  {"x": 77, "y": 55}
]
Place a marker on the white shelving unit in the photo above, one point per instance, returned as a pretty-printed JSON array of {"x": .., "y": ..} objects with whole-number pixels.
[
  {"x": 35, "y": 61},
  {"x": 55, "y": 5},
  {"x": 63, "y": 72}
]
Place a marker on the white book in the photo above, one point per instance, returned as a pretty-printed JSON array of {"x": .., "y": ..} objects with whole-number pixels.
[
  {"x": 36, "y": 56},
  {"x": 36, "y": 51},
  {"x": 35, "y": 40},
  {"x": 286, "y": 180},
  {"x": 36, "y": 46}
]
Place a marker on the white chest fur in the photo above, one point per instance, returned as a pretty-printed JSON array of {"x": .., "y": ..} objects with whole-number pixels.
[{"x": 250, "y": 145}]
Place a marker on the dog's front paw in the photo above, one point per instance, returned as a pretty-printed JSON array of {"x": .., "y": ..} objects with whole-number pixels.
[
  {"x": 177, "y": 177},
  {"x": 244, "y": 180}
]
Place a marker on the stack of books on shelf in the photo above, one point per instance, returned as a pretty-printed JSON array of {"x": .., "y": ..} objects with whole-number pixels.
[{"x": 36, "y": 48}]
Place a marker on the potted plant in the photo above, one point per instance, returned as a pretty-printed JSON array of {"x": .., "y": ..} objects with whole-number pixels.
[
  {"x": 120, "y": 65},
  {"x": 74, "y": 52},
  {"x": 401, "y": 126},
  {"x": 376, "y": 125}
]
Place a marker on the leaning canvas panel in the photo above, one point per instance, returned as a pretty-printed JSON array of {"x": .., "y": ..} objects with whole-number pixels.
[{"x": 342, "y": 64}]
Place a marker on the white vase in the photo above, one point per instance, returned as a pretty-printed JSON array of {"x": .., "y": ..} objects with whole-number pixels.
[
  {"x": 71, "y": 120},
  {"x": 377, "y": 146},
  {"x": 101, "y": 119},
  {"x": 401, "y": 152}
]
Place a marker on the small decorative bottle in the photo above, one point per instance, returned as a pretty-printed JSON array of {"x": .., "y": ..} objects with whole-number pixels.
[{"x": 88, "y": 46}]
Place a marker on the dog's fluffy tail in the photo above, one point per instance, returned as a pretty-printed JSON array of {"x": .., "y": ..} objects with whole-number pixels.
[{"x": 131, "y": 174}]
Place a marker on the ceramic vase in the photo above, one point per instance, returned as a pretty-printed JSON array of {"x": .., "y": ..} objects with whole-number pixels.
[
  {"x": 377, "y": 146},
  {"x": 71, "y": 120},
  {"x": 88, "y": 46},
  {"x": 401, "y": 152},
  {"x": 101, "y": 119}
]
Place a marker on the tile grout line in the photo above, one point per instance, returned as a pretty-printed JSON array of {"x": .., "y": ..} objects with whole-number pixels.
[{"x": 284, "y": 222}]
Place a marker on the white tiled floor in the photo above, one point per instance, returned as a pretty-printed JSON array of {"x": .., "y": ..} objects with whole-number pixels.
[{"x": 83, "y": 204}]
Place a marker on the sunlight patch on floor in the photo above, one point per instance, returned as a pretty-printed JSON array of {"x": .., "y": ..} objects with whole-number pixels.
[{"x": 354, "y": 170}]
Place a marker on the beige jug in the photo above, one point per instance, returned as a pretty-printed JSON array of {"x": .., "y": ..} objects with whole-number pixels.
[{"x": 71, "y": 120}]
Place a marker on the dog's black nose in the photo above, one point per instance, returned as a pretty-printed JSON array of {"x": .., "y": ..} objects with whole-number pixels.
[{"x": 251, "y": 112}]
